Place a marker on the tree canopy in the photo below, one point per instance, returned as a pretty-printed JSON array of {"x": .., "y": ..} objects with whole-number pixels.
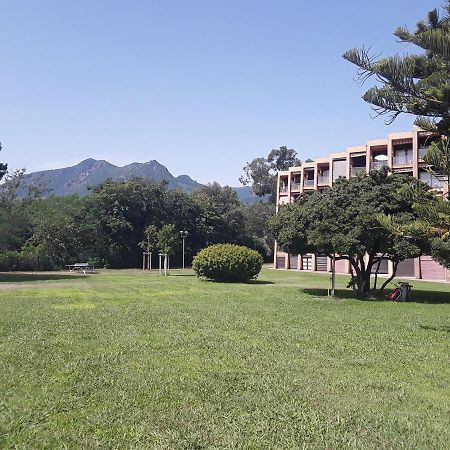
[
  {"x": 261, "y": 173},
  {"x": 343, "y": 221},
  {"x": 116, "y": 221}
]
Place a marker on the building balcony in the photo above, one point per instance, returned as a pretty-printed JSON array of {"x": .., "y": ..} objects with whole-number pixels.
[
  {"x": 323, "y": 180},
  {"x": 435, "y": 183},
  {"x": 295, "y": 186},
  {"x": 403, "y": 160},
  {"x": 356, "y": 170},
  {"x": 283, "y": 189},
  {"x": 422, "y": 152},
  {"x": 432, "y": 181},
  {"x": 308, "y": 183},
  {"x": 377, "y": 165}
]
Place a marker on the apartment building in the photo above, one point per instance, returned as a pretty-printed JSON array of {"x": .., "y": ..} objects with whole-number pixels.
[{"x": 403, "y": 153}]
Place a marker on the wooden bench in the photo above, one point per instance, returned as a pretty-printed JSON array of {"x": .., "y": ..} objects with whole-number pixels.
[{"x": 80, "y": 267}]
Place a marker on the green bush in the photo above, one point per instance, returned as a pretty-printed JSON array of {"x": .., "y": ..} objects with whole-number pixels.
[{"x": 227, "y": 262}]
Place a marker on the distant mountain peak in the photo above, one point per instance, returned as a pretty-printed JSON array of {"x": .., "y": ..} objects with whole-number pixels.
[{"x": 91, "y": 172}]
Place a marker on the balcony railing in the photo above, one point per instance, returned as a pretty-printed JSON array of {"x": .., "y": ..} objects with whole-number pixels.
[
  {"x": 377, "y": 165},
  {"x": 283, "y": 189},
  {"x": 434, "y": 182},
  {"x": 422, "y": 152},
  {"x": 403, "y": 160},
  {"x": 295, "y": 186},
  {"x": 308, "y": 183},
  {"x": 323, "y": 179},
  {"x": 356, "y": 170},
  {"x": 431, "y": 180}
]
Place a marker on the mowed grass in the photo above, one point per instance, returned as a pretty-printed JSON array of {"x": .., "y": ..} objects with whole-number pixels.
[{"x": 124, "y": 359}]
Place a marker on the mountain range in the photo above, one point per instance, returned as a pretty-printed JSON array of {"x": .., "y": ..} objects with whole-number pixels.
[{"x": 91, "y": 172}]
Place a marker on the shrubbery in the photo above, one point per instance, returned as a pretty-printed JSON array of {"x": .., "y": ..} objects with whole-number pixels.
[{"x": 227, "y": 262}]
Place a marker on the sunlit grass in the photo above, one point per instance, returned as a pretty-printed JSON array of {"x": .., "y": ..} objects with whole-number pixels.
[{"x": 125, "y": 359}]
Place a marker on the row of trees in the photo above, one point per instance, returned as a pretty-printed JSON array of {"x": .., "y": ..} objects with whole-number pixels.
[{"x": 107, "y": 226}]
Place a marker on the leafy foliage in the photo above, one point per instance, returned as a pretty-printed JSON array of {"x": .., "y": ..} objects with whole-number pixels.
[
  {"x": 261, "y": 172},
  {"x": 167, "y": 239},
  {"x": 117, "y": 220},
  {"x": 344, "y": 221},
  {"x": 227, "y": 263},
  {"x": 430, "y": 227}
]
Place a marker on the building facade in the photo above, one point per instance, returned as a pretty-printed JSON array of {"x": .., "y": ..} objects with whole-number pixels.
[{"x": 403, "y": 153}]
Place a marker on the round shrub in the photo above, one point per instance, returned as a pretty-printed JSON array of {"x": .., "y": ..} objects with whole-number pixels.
[{"x": 227, "y": 262}]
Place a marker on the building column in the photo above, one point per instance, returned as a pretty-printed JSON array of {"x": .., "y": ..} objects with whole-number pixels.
[
  {"x": 417, "y": 269},
  {"x": 313, "y": 262},
  {"x": 416, "y": 154},
  {"x": 390, "y": 268},
  {"x": 390, "y": 155}
]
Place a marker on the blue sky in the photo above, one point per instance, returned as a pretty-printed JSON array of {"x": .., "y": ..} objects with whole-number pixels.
[{"x": 200, "y": 86}]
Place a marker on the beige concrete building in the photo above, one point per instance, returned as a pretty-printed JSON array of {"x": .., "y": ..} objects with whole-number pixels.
[{"x": 402, "y": 152}]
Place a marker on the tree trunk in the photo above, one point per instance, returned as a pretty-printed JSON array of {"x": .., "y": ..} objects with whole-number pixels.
[{"x": 394, "y": 272}]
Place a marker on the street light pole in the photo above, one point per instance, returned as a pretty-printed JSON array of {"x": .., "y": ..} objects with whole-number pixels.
[{"x": 183, "y": 235}]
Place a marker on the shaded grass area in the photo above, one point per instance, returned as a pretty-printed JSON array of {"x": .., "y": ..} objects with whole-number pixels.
[
  {"x": 123, "y": 359},
  {"x": 26, "y": 277}
]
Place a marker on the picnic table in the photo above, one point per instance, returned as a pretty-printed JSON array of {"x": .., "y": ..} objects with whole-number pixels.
[{"x": 80, "y": 267}]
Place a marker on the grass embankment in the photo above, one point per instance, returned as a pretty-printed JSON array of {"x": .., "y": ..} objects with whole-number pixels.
[{"x": 124, "y": 359}]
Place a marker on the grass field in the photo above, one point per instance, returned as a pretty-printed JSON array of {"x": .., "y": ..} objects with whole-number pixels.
[{"x": 123, "y": 359}]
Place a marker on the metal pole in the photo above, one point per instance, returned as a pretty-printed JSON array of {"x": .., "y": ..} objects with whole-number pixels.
[
  {"x": 184, "y": 237},
  {"x": 333, "y": 276}
]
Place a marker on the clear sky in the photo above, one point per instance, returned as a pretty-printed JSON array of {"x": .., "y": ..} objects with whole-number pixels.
[{"x": 202, "y": 86}]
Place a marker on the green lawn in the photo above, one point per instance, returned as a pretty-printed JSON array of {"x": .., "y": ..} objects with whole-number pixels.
[{"x": 123, "y": 359}]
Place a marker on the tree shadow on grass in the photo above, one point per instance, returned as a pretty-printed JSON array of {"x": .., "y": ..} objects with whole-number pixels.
[
  {"x": 444, "y": 328},
  {"x": 182, "y": 275},
  {"x": 417, "y": 295},
  {"x": 36, "y": 276},
  {"x": 339, "y": 293},
  {"x": 262, "y": 282},
  {"x": 254, "y": 282}
]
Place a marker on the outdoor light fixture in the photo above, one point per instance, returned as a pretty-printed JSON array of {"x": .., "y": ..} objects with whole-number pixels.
[{"x": 183, "y": 235}]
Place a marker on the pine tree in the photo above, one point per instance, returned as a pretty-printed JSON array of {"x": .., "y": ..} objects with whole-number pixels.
[{"x": 417, "y": 84}]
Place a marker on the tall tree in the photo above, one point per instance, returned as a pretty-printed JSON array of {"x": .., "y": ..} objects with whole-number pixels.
[
  {"x": 343, "y": 221},
  {"x": 121, "y": 212},
  {"x": 221, "y": 217},
  {"x": 261, "y": 173},
  {"x": 257, "y": 218},
  {"x": 418, "y": 84},
  {"x": 414, "y": 84}
]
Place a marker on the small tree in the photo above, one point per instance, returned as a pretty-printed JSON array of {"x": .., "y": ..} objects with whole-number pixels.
[
  {"x": 150, "y": 238},
  {"x": 167, "y": 242}
]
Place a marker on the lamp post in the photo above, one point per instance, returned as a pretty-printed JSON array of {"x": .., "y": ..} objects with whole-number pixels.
[{"x": 183, "y": 235}]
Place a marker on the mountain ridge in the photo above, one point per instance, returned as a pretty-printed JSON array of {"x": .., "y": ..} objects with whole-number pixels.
[{"x": 91, "y": 172}]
